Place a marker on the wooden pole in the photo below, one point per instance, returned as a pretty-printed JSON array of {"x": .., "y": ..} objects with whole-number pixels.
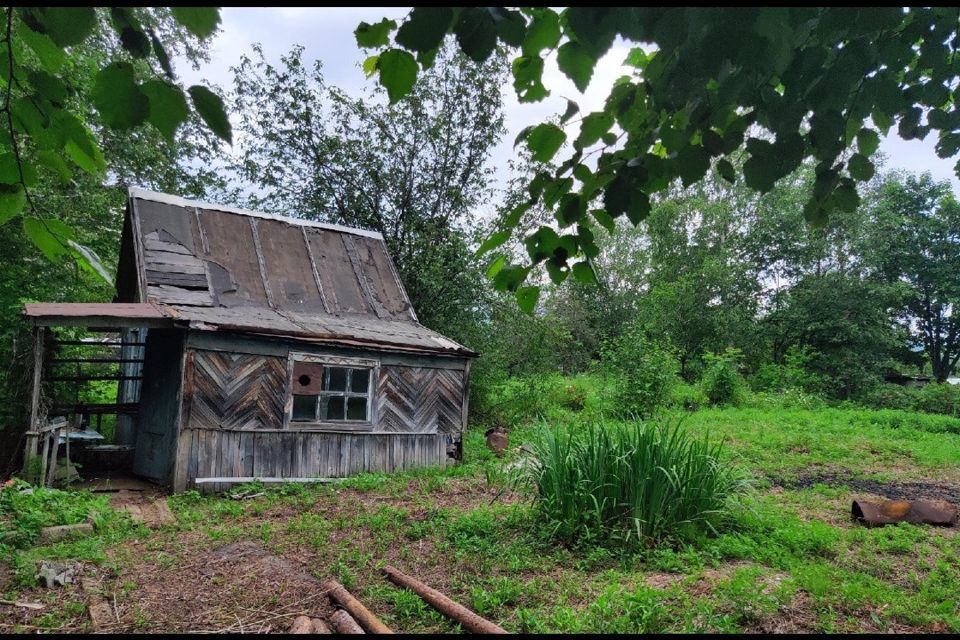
[
  {"x": 344, "y": 623},
  {"x": 354, "y": 607},
  {"x": 33, "y": 437},
  {"x": 52, "y": 467},
  {"x": 467, "y": 619}
]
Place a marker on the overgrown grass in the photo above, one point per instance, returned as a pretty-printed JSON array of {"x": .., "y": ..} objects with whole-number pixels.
[
  {"x": 25, "y": 510},
  {"x": 631, "y": 483}
]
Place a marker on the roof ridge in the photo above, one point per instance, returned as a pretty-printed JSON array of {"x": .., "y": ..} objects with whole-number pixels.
[{"x": 178, "y": 201}]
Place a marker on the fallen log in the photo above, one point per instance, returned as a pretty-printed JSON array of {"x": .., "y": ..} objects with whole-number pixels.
[
  {"x": 467, "y": 619},
  {"x": 319, "y": 626},
  {"x": 302, "y": 624},
  {"x": 354, "y": 607},
  {"x": 343, "y": 623}
]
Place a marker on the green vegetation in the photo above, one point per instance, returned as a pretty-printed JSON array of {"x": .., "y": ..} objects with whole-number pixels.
[{"x": 633, "y": 483}]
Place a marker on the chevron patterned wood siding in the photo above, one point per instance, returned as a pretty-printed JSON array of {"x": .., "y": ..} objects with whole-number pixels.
[
  {"x": 420, "y": 400},
  {"x": 235, "y": 391}
]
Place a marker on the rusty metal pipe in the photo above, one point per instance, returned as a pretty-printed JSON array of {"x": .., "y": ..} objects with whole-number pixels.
[
  {"x": 339, "y": 594},
  {"x": 467, "y": 619},
  {"x": 874, "y": 513}
]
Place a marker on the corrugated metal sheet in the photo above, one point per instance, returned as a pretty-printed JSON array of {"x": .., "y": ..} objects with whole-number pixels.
[{"x": 218, "y": 268}]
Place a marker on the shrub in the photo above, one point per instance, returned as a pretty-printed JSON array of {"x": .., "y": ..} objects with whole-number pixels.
[
  {"x": 688, "y": 396},
  {"x": 939, "y": 398},
  {"x": 794, "y": 373},
  {"x": 630, "y": 483},
  {"x": 721, "y": 382},
  {"x": 890, "y": 396},
  {"x": 25, "y": 510},
  {"x": 640, "y": 372}
]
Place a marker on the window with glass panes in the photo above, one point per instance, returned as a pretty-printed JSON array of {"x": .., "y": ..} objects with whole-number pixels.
[{"x": 342, "y": 394}]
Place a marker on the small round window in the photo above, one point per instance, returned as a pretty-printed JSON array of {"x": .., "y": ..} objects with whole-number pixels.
[{"x": 304, "y": 380}]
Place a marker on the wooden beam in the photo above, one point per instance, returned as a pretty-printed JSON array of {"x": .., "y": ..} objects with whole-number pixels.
[{"x": 32, "y": 441}]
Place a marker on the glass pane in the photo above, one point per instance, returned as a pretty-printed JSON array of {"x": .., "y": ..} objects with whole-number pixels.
[
  {"x": 356, "y": 408},
  {"x": 333, "y": 409},
  {"x": 360, "y": 382},
  {"x": 336, "y": 379},
  {"x": 304, "y": 408}
]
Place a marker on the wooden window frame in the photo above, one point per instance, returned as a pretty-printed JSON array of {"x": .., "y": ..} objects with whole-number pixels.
[{"x": 349, "y": 426}]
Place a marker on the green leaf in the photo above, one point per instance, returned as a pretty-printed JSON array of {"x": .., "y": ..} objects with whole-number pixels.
[
  {"x": 168, "y": 106},
  {"x": 476, "y": 33},
  {"x": 637, "y": 58},
  {"x": 528, "y": 78},
  {"x": 509, "y": 278},
  {"x": 726, "y": 170},
  {"x": 572, "y": 209},
  {"x": 162, "y": 56},
  {"x": 398, "y": 72},
  {"x": 89, "y": 261},
  {"x": 693, "y": 162},
  {"x": 370, "y": 65},
  {"x": 10, "y": 170},
  {"x": 132, "y": 36},
  {"x": 494, "y": 241},
  {"x": 49, "y": 86},
  {"x": 425, "y": 28},
  {"x": 542, "y": 33},
  {"x": 593, "y": 27},
  {"x": 78, "y": 143},
  {"x": 210, "y": 107},
  {"x": 572, "y": 109},
  {"x": 604, "y": 219},
  {"x": 54, "y": 162},
  {"x": 513, "y": 218},
  {"x": 375, "y": 35},
  {"x": 12, "y": 201},
  {"x": 593, "y": 127},
  {"x": 860, "y": 167},
  {"x": 868, "y": 141},
  {"x": 583, "y": 272},
  {"x": 545, "y": 140},
  {"x": 50, "y": 236},
  {"x": 200, "y": 21},
  {"x": 845, "y": 196},
  {"x": 511, "y": 25},
  {"x": 576, "y": 63},
  {"x": 121, "y": 103},
  {"x": 66, "y": 26},
  {"x": 496, "y": 265},
  {"x": 557, "y": 270},
  {"x": 527, "y": 298},
  {"x": 51, "y": 55}
]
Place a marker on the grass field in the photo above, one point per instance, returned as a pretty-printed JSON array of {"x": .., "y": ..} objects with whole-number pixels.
[{"x": 790, "y": 559}]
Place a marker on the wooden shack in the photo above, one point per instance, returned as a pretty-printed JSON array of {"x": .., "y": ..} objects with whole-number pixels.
[{"x": 275, "y": 348}]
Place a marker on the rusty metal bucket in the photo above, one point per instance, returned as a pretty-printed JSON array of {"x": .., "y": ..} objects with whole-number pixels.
[{"x": 873, "y": 513}]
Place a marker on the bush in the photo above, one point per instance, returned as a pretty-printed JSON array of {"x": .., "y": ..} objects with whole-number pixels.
[
  {"x": 890, "y": 396},
  {"x": 25, "y": 510},
  {"x": 640, "y": 372},
  {"x": 939, "y": 398},
  {"x": 630, "y": 483},
  {"x": 688, "y": 396},
  {"x": 794, "y": 373},
  {"x": 721, "y": 382}
]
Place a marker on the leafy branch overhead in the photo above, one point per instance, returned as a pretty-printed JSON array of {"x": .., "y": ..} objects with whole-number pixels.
[
  {"x": 752, "y": 93},
  {"x": 44, "y": 126}
]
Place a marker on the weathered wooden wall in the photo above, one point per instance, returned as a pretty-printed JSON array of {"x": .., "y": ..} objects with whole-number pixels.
[
  {"x": 301, "y": 454},
  {"x": 233, "y": 415}
]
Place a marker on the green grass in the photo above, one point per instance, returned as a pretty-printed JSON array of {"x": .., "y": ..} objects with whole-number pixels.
[{"x": 786, "y": 557}]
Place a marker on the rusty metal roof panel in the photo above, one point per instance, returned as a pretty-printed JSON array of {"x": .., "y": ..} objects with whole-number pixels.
[
  {"x": 218, "y": 267},
  {"x": 95, "y": 314}
]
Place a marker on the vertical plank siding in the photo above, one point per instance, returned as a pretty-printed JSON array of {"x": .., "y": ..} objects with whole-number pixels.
[{"x": 234, "y": 423}]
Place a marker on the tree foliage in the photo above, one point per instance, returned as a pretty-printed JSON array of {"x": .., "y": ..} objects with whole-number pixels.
[
  {"x": 915, "y": 241},
  {"x": 753, "y": 92},
  {"x": 58, "y": 62}
]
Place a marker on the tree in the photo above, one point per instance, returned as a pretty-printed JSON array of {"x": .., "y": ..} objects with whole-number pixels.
[
  {"x": 54, "y": 68},
  {"x": 916, "y": 240},
  {"x": 776, "y": 86},
  {"x": 415, "y": 171}
]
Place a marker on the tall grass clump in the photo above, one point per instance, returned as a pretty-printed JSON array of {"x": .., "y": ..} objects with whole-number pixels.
[{"x": 631, "y": 483}]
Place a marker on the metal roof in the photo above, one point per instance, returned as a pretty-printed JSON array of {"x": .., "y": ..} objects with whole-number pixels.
[{"x": 220, "y": 268}]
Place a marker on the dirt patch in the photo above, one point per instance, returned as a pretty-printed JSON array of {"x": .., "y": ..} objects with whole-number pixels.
[
  {"x": 150, "y": 509},
  {"x": 237, "y": 588},
  {"x": 893, "y": 490}
]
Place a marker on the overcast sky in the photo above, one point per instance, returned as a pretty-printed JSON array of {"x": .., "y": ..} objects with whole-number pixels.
[{"x": 327, "y": 35}]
